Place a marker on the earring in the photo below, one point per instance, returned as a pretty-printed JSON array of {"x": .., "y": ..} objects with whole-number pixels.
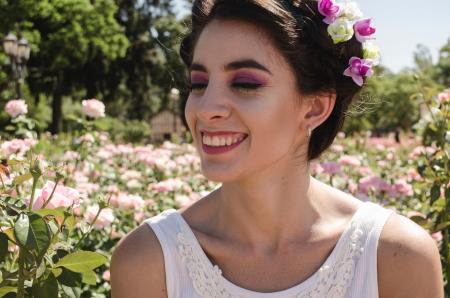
[{"x": 309, "y": 132}]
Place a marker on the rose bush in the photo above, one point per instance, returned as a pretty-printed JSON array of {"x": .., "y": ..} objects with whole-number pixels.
[{"x": 102, "y": 190}]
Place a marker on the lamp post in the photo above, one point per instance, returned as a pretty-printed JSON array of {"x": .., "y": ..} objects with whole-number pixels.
[
  {"x": 174, "y": 95},
  {"x": 18, "y": 51}
]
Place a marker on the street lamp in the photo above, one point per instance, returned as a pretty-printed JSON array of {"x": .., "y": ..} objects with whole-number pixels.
[{"x": 19, "y": 53}]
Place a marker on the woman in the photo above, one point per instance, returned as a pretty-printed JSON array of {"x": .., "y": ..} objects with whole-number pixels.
[{"x": 270, "y": 82}]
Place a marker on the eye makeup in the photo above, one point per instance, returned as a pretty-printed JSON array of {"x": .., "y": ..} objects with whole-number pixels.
[{"x": 245, "y": 81}]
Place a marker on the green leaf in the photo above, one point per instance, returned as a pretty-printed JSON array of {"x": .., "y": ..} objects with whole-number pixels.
[
  {"x": 90, "y": 278},
  {"x": 6, "y": 290},
  {"x": 33, "y": 233},
  {"x": 435, "y": 192},
  {"x": 56, "y": 212},
  {"x": 69, "y": 278},
  {"x": 82, "y": 261},
  {"x": 57, "y": 271},
  {"x": 22, "y": 229},
  {"x": 22, "y": 178},
  {"x": 3, "y": 246},
  {"x": 70, "y": 223},
  {"x": 46, "y": 289}
]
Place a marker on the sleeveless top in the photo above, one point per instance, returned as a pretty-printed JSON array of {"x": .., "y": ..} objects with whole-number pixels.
[{"x": 349, "y": 271}]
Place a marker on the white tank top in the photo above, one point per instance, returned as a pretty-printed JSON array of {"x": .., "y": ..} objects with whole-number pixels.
[{"x": 350, "y": 270}]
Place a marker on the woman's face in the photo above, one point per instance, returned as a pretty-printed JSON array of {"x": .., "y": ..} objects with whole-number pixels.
[{"x": 241, "y": 87}]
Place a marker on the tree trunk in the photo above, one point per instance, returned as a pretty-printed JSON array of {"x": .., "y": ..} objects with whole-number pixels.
[{"x": 56, "y": 125}]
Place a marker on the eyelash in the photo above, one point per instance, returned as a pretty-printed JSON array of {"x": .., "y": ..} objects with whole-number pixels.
[{"x": 240, "y": 86}]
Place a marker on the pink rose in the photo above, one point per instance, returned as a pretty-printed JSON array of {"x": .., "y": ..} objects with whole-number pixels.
[
  {"x": 373, "y": 183},
  {"x": 105, "y": 218},
  {"x": 359, "y": 68},
  {"x": 401, "y": 188},
  {"x": 62, "y": 197},
  {"x": 437, "y": 236},
  {"x": 16, "y": 107},
  {"x": 17, "y": 146},
  {"x": 331, "y": 168},
  {"x": 329, "y": 9},
  {"x": 349, "y": 160},
  {"x": 444, "y": 96},
  {"x": 93, "y": 108},
  {"x": 363, "y": 30},
  {"x": 106, "y": 275}
]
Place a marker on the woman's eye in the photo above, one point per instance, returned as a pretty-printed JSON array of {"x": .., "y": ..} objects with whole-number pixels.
[
  {"x": 239, "y": 86},
  {"x": 197, "y": 86},
  {"x": 246, "y": 86}
]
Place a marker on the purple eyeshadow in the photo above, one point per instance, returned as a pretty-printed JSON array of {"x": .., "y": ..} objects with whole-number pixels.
[{"x": 248, "y": 78}]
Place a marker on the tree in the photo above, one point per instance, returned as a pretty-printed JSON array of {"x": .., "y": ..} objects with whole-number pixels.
[
  {"x": 442, "y": 74},
  {"x": 66, "y": 35}
]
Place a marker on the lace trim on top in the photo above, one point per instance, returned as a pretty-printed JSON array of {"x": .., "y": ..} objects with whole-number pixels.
[{"x": 331, "y": 280}]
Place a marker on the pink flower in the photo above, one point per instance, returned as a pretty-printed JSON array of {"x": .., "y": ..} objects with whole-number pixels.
[
  {"x": 17, "y": 146},
  {"x": 337, "y": 148},
  {"x": 352, "y": 187},
  {"x": 413, "y": 175},
  {"x": 403, "y": 188},
  {"x": 331, "y": 168},
  {"x": 437, "y": 236},
  {"x": 93, "y": 108},
  {"x": 139, "y": 216},
  {"x": 358, "y": 69},
  {"x": 329, "y": 9},
  {"x": 105, "y": 218},
  {"x": 444, "y": 96},
  {"x": 349, "y": 160},
  {"x": 16, "y": 107},
  {"x": 373, "y": 183},
  {"x": 127, "y": 201},
  {"x": 363, "y": 30},
  {"x": 62, "y": 197},
  {"x": 183, "y": 200},
  {"x": 106, "y": 275}
]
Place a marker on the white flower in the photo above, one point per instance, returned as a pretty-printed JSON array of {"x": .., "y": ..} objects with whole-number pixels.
[
  {"x": 351, "y": 11},
  {"x": 93, "y": 108},
  {"x": 341, "y": 30},
  {"x": 372, "y": 53},
  {"x": 16, "y": 107}
]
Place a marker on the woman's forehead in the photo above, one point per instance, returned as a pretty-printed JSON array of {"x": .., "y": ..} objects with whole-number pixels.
[{"x": 223, "y": 41}]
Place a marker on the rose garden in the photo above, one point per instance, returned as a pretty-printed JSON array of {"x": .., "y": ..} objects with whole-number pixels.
[{"x": 80, "y": 169}]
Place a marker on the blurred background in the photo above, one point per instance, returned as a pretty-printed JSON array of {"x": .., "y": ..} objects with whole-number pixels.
[{"x": 93, "y": 138}]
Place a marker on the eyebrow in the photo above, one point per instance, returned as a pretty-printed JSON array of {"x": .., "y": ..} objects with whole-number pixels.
[{"x": 245, "y": 63}]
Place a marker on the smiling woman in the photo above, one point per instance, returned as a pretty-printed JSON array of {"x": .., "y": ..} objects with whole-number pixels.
[{"x": 270, "y": 83}]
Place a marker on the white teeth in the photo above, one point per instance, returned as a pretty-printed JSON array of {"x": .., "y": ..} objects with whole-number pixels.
[
  {"x": 215, "y": 141},
  {"x": 229, "y": 141},
  {"x": 221, "y": 141}
]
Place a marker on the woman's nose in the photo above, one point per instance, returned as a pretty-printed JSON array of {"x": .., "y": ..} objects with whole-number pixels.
[{"x": 213, "y": 105}]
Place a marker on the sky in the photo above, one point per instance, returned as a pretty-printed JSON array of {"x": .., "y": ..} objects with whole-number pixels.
[{"x": 401, "y": 26}]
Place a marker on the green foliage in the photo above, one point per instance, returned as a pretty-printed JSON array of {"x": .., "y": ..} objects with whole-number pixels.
[
  {"x": 434, "y": 166},
  {"x": 125, "y": 130}
]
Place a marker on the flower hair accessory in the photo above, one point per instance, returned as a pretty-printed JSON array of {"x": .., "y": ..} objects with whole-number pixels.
[{"x": 345, "y": 21}]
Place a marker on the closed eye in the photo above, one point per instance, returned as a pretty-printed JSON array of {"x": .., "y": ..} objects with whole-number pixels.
[{"x": 239, "y": 86}]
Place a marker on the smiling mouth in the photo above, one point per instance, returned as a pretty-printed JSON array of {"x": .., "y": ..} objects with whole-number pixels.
[{"x": 222, "y": 140}]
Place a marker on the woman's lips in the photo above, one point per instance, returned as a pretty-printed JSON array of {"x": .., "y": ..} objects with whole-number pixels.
[{"x": 221, "y": 149}]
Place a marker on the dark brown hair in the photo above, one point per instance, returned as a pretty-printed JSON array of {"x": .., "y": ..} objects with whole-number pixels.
[{"x": 303, "y": 41}]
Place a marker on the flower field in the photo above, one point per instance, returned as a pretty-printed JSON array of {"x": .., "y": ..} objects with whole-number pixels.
[{"x": 66, "y": 200}]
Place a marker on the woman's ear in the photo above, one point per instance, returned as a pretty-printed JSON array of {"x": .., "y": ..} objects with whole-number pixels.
[{"x": 319, "y": 108}]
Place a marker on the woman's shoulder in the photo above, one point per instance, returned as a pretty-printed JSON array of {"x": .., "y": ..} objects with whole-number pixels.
[
  {"x": 137, "y": 265},
  {"x": 408, "y": 260}
]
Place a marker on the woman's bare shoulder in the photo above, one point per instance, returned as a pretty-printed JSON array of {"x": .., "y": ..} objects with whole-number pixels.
[
  {"x": 137, "y": 266},
  {"x": 408, "y": 261}
]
